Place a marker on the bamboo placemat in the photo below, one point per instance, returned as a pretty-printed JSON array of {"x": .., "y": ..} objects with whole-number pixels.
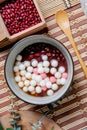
[
  {"x": 49, "y": 7},
  {"x": 72, "y": 114}
]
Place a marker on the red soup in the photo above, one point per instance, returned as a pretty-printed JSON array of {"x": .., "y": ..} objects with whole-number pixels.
[{"x": 40, "y": 70}]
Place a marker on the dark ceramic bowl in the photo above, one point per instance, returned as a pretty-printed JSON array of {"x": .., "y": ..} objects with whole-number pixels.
[{"x": 17, "y": 48}]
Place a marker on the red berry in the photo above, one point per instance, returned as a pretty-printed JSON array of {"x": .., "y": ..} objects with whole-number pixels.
[{"x": 21, "y": 14}]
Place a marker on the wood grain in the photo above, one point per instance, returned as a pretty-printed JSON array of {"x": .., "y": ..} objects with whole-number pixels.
[{"x": 30, "y": 116}]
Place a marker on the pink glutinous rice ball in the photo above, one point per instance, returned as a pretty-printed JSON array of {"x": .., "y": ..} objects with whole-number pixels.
[
  {"x": 52, "y": 79},
  {"x": 64, "y": 75},
  {"x": 43, "y": 75},
  {"x": 44, "y": 88},
  {"x": 35, "y": 70}
]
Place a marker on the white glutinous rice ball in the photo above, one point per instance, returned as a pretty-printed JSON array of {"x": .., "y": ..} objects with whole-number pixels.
[
  {"x": 23, "y": 78},
  {"x": 19, "y": 58},
  {"x": 30, "y": 69},
  {"x": 57, "y": 75},
  {"x": 34, "y": 62},
  {"x": 33, "y": 92},
  {"x": 53, "y": 70},
  {"x": 44, "y": 57},
  {"x": 38, "y": 89},
  {"x": 61, "y": 69},
  {"x": 42, "y": 83},
  {"x": 46, "y": 63},
  {"x": 38, "y": 78},
  {"x": 54, "y": 87},
  {"x": 21, "y": 84},
  {"x": 40, "y": 70},
  {"x": 26, "y": 82},
  {"x": 31, "y": 88},
  {"x": 28, "y": 75},
  {"x": 62, "y": 81},
  {"x": 16, "y": 69},
  {"x": 26, "y": 63},
  {"x": 21, "y": 66},
  {"x": 33, "y": 83},
  {"x": 17, "y": 63},
  {"x": 33, "y": 76},
  {"x": 40, "y": 64},
  {"x": 46, "y": 69},
  {"x": 50, "y": 92},
  {"x": 25, "y": 89},
  {"x": 17, "y": 78},
  {"x": 58, "y": 81},
  {"x": 54, "y": 63},
  {"x": 48, "y": 84},
  {"x": 46, "y": 79},
  {"x": 22, "y": 72}
]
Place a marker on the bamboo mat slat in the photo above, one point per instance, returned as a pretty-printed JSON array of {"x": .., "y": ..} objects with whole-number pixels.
[
  {"x": 72, "y": 114},
  {"x": 49, "y": 7}
]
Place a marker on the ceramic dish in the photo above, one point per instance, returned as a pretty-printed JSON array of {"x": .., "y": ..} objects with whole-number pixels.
[{"x": 9, "y": 75}]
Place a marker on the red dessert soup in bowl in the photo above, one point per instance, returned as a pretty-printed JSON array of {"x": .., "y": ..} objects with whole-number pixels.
[{"x": 39, "y": 69}]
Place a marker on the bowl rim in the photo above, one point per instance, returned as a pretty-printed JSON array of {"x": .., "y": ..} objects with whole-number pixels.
[{"x": 32, "y": 97}]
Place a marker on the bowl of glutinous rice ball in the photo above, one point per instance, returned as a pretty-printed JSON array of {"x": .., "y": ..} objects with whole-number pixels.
[{"x": 39, "y": 69}]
